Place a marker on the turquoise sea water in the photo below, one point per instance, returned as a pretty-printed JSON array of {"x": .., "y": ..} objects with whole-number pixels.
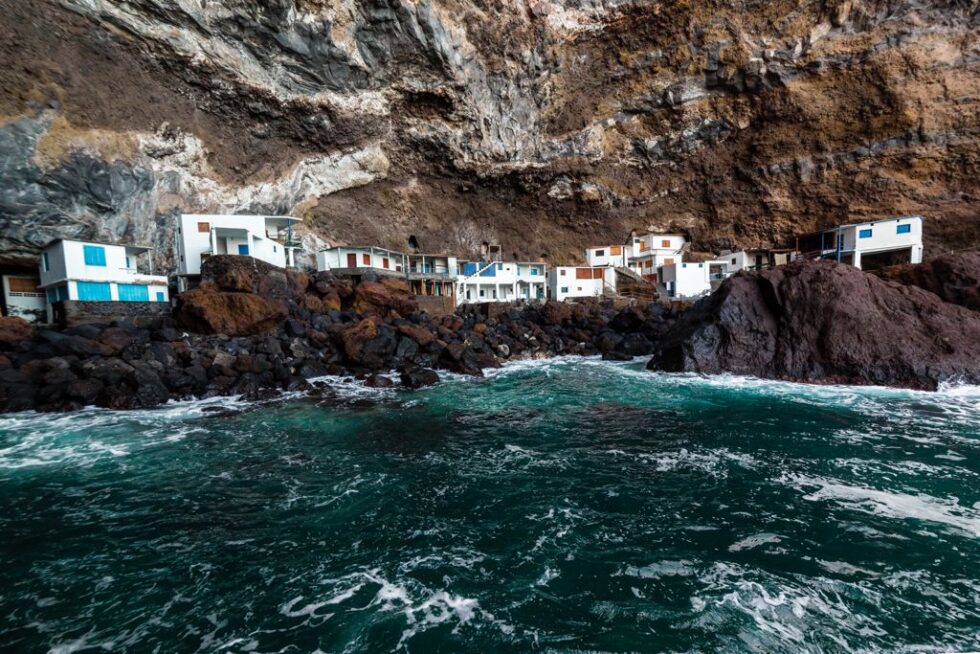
[{"x": 563, "y": 506}]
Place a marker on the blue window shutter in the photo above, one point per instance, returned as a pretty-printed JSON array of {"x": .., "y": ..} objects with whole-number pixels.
[
  {"x": 63, "y": 292},
  {"x": 904, "y": 229},
  {"x": 94, "y": 291},
  {"x": 94, "y": 255},
  {"x": 243, "y": 249},
  {"x": 45, "y": 261},
  {"x": 134, "y": 293},
  {"x": 864, "y": 233},
  {"x": 160, "y": 296}
]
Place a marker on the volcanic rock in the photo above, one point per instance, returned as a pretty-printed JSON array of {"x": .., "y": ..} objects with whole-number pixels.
[
  {"x": 828, "y": 323},
  {"x": 953, "y": 277},
  {"x": 236, "y": 314}
]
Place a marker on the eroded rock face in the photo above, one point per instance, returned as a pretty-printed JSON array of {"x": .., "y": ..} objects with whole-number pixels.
[
  {"x": 545, "y": 126},
  {"x": 827, "y": 323},
  {"x": 953, "y": 277}
]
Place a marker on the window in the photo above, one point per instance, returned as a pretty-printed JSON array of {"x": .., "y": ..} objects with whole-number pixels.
[
  {"x": 94, "y": 291},
  {"x": 904, "y": 229},
  {"x": 366, "y": 259},
  {"x": 133, "y": 293},
  {"x": 204, "y": 227},
  {"x": 564, "y": 289},
  {"x": 614, "y": 250},
  {"x": 683, "y": 265},
  {"x": 665, "y": 243},
  {"x": 600, "y": 253},
  {"x": 734, "y": 261},
  {"x": 643, "y": 246},
  {"x": 23, "y": 285},
  {"x": 864, "y": 233},
  {"x": 579, "y": 289},
  {"x": 384, "y": 262},
  {"x": 160, "y": 296},
  {"x": 44, "y": 261},
  {"x": 700, "y": 265},
  {"x": 482, "y": 292},
  {"x": 562, "y": 272},
  {"x": 94, "y": 255},
  {"x": 243, "y": 249},
  {"x": 500, "y": 266},
  {"x": 668, "y": 262},
  {"x": 274, "y": 250},
  {"x": 127, "y": 262}
]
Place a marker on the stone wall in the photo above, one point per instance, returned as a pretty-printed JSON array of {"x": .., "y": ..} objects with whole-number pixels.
[
  {"x": 72, "y": 312},
  {"x": 436, "y": 305}
]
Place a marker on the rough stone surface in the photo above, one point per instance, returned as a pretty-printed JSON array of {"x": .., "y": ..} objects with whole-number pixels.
[
  {"x": 828, "y": 323},
  {"x": 235, "y": 314},
  {"x": 545, "y": 126},
  {"x": 954, "y": 278}
]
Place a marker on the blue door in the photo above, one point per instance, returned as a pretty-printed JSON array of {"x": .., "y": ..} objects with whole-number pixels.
[
  {"x": 94, "y": 291},
  {"x": 134, "y": 293},
  {"x": 243, "y": 249},
  {"x": 160, "y": 296}
]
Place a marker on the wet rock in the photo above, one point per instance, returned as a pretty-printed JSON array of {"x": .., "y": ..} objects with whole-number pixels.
[{"x": 419, "y": 377}]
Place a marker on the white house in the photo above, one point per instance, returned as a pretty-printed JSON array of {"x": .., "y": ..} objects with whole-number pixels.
[
  {"x": 686, "y": 279},
  {"x": 358, "y": 259},
  {"x": 432, "y": 274},
  {"x": 608, "y": 255},
  {"x": 570, "y": 282},
  {"x": 868, "y": 245},
  {"x": 97, "y": 272},
  {"x": 651, "y": 251},
  {"x": 23, "y": 298},
  {"x": 198, "y": 236},
  {"x": 500, "y": 281}
]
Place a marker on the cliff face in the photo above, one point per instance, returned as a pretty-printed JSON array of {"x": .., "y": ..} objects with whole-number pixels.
[{"x": 543, "y": 125}]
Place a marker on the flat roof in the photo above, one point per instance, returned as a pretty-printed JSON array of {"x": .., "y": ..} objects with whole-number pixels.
[
  {"x": 144, "y": 248},
  {"x": 879, "y": 220},
  {"x": 360, "y": 247},
  {"x": 240, "y": 215}
]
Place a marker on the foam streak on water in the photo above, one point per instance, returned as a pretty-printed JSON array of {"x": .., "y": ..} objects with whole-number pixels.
[{"x": 566, "y": 505}]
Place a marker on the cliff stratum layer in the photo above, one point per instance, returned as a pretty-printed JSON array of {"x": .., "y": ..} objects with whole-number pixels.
[{"x": 542, "y": 125}]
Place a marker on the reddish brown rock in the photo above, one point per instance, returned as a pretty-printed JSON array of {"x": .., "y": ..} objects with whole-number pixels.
[
  {"x": 383, "y": 297},
  {"x": 353, "y": 338},
  {"x": 953, "y": 277},
  {"x": 829, "y": 323},
  {"x": 555, "y": 313},
  {"x": 420, "y": 335},
  {"x": 235, "y": 314},
  {"x": 13, "y": 330}
]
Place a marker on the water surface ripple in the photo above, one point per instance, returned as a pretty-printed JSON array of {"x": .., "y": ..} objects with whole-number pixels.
[{"x": 563, "y": 506}]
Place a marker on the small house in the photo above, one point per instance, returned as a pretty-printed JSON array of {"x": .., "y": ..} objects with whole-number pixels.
[
  {"x": 686, "y": 280},
  {"x": 356, "y": 260},
  {"x": 868, "y": 245},
  {"x": 608, "y": 256},
  {"x": 432, "y": 274},
  {"x": 500, "y": 281},
  {"x": 571, "y": 282},
  {"x": 199, "y": 236},
  {"x": 651, "y": 251},
  {"x": 23, "y": 297},
  {"x": 81, "y": 271}
]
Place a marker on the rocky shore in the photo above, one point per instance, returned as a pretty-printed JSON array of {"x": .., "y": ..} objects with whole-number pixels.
[
  {"x": 254, "y": 330},
  {"x": 824, "y": 322}
]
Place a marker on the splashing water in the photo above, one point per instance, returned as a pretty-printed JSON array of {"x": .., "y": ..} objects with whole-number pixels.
[{"x": 564, "y": 506}]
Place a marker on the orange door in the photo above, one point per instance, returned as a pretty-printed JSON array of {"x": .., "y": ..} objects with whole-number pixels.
[{"x": 352, "y": 260}]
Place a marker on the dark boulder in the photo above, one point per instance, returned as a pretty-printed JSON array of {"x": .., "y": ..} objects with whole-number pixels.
[
  {"x": 825, "y": 322},
  {"x": 419, "y": 377}
]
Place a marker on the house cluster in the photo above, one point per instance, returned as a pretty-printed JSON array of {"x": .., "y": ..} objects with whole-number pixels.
[{"x": 75, "y": 271}]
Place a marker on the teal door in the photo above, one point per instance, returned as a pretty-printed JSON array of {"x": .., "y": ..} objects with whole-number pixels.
[
  {"x": 159, "y": 296},
  {"x": 243, "y": 249},
  {"x": 94, "y": 291},
  {"x": 134, "y": 293}
]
